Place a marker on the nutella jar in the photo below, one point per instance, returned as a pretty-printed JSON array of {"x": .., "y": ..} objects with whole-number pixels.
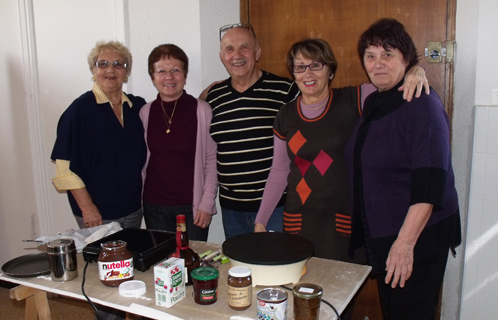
[
  {"x": 115, "y": 263},
  {"x": 239, "y": 288}
]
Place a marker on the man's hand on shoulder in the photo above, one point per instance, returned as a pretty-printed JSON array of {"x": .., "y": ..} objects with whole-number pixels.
[{"x": 204, "y": 93}]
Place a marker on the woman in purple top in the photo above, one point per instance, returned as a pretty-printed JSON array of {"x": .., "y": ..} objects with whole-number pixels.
[
  {"x": 180, "y": 172},
  {"x": 405, "y": 205}
]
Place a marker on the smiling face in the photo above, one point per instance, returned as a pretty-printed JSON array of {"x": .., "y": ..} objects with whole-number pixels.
[
  {"x": 239, "y": 52},
  {"x": 314, "y": 85},
  {"x": 170, "y": 85},
  {"x": 110, "y": 80},
  {"x": 385, "y": 68}
]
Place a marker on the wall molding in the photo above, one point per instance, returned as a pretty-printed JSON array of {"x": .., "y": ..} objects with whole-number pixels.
[{"x": 33, "y": 107}]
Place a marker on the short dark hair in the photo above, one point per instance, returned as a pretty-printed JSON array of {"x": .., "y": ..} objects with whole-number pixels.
[
  {"x": 167, "y": 50},
  {"x": 389, "y": 34},
  {"x": 316, "y": 49}
]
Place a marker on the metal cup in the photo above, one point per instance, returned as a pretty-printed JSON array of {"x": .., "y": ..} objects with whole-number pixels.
[{"x": 62, "y": 259}]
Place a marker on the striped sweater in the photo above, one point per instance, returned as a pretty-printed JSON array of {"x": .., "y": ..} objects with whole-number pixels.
[{"x": 242, "y": 127}]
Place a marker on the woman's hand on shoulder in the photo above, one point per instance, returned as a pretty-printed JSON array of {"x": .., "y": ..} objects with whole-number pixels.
[
  {"x": 258, "y": 227},
  {"x": 415, "y": 81}
]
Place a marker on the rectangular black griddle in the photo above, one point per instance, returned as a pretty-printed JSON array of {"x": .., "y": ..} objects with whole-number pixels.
[{"x": 148, "y": 247}]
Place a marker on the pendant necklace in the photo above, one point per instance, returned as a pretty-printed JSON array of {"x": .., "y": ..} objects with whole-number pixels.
[{"x": 167, "y": 118}]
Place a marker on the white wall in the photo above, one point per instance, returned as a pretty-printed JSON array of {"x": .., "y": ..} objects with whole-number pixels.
[
  {"x": 476, "y": 38},
  {"x": 480, "y": 286},
  {"x": 18, "y": 211}
]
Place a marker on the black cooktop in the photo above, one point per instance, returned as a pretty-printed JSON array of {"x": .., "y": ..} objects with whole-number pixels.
[
  {"x": 148, "y": 247},
  {"x": 268, "y": 248}
]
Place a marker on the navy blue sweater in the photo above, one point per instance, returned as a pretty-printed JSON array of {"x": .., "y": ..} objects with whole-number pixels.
[
  {"x": 399, "y": 155},
  {"x": 105, "y": 155}
]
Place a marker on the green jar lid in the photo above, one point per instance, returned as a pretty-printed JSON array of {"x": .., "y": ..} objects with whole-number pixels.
[
  {"x": 205, "y": 273},
  {"x": 307, "y": 291}
]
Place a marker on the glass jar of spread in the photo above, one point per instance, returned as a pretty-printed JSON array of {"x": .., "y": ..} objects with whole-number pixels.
[
  {"x": 307, "y": 298},
  {"x": 205, "y": 281},
  {"x": 239, "y": 288},
  {"x": 115, "y": 263}
]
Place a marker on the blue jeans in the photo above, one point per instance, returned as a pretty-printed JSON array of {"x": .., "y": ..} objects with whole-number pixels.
[
  {"x": 159, "y": 217},
  {"x": 239, "y": 222}
]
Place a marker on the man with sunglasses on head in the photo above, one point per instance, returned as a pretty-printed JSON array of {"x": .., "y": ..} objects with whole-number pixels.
[{"x": 244, "y": 107}]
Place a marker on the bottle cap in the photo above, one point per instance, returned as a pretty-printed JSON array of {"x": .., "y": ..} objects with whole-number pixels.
[
  {"x": 307, "y": 291},
  {"x": 239, "y": 272},
  {"x": 205, "y": 273}
]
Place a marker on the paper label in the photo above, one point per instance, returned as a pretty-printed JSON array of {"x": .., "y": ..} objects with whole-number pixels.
[
  {"x": 239, "y": 297},
  {"x": 116, "y": 270}
]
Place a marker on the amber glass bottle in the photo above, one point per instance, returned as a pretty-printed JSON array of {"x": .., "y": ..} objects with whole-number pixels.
[{"x": 192, "y": 260}]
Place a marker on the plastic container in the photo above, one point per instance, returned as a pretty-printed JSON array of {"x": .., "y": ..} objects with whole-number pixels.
[
  {"x": 205, "y": 281},
  {"x": 307, "y": 299}
]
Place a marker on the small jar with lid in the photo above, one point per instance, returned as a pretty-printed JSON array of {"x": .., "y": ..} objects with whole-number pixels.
[
  {"x": 205, "y": 280},
  {"x": 115, "y": 263},
  {"x": 239, "y": 288},
  {"x": 307, "y": 298}
]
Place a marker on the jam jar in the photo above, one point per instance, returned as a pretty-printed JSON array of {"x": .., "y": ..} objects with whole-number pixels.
[
  {"x": 239, "y": 288},
  {"x": 115, "y": 263},
  {"x": 307, "y": 298},
  {"x": 205, "y": 281}
]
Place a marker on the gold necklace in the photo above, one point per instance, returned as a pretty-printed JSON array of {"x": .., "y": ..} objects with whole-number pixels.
[
  {"x": 316, "y": 108},
  {"x": 167, "y": 118}
]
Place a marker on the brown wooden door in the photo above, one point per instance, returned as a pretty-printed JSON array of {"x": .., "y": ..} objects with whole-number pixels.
[{"x": 279, "y": 23}]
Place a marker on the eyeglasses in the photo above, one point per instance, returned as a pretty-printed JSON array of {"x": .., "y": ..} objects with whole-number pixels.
[
  {"x": 314, "y": 66},
  {"x": 104, "y": 64},
  {"x": 174, "y": 72},
  {"x": 227, "y": 27}
]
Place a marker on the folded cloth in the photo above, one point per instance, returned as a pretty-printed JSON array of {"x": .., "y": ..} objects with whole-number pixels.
[{"x": 82, "y": 237}]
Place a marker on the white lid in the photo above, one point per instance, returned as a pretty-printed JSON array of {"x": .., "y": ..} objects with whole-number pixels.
[
  {"x": 132, "y": 288},
  {"x": 239, "y": 272}
]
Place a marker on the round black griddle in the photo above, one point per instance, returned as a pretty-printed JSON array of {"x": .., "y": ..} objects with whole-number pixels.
[
  {"x": 30, "y": 265},
  {"x": 268, "y": 248}
]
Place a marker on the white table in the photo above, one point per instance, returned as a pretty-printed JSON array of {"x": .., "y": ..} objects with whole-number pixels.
[{"x": 339, "y": 281}]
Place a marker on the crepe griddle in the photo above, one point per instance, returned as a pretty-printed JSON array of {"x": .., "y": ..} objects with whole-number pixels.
[
  {"x": 30, "y": 265},
  {"x": 268, "y": 248},
  {"x": 147, "y": 247},
  {"x": 274, "y": 258}
]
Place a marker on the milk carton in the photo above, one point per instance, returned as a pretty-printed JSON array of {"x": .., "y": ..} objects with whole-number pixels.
[{"x": 169, "y": 282}]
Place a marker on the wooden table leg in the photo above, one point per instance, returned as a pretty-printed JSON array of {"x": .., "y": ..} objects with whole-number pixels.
[
  {"x": 36, "y": 302},
  {"x": 30, "y": 313}
]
